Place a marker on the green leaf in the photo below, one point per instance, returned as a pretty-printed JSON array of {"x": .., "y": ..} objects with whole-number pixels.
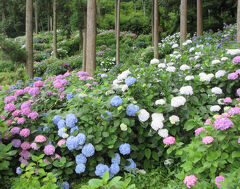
[
  {"x": 105, "y": 134},
  {"x": 155, "y": 156},
  {"x": 190, "y": 124},
  {"x": 236, "y": 154},
  {"x": 95, "y": 183},
  {"x": 105, "y": 177},
  {"x": 147, "y": 153},
  {"x": 98, "y": 147}
]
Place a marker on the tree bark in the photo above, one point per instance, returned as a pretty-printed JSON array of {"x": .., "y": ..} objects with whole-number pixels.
[
  {"x": 118, "y": 33},
  {"x": 49, "y": 5},
  {"x": 84, "y": 42},
  {"x": 29, "y": 37},
  {"x": 156, "y": 29},
  {"x": 36, "y": 16},
  {"x": 91, "y": 37},
  {"x": 238, "y": 22},
  {"x": 115, "y": 16},
  {"x": 3, "y": 11},
  {"x": 183, "y": 21},
  {"x": 144, "y": 8},
  {"x": 152, "y": 22},
  {"x": 199, "y": 18},
  {"x": 55, "y": 28}
]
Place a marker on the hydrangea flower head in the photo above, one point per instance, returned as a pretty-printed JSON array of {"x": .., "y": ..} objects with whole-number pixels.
[
  {"x": 49, "y": 149},
  {"x": 80, "y": 168},
  {"x": 34, "y": 91},
  {"x": 222, "y": 123},
  {"x": 18, "y": 170},
  {"x": 25, "y": 145},
  {"x": 116, "y": 101},
  {"x": 199, "y": 130},
  {"x": 9, "y": 107},
  {"x": 132, "y": 110},
  {"x": 186, "y": 90},
  {"x": 61, "y": 142},
  {"x": 132, "y": 165},
  {"x": 143, "y": 115},
  {"x": 169, "y": 140},
  {"x": 71, "y": 120},
  {"x": 88, "y": 150},
  {"x": 21, "y": 121},
  {"x": 190, "y": 180},
  {"x": 61, "y": 124},
  {"x": 101, "y": 169},
  {"x": 207, "y": 139},
  {"x": 24, "y": 132},
  {"x": 232, "y": 76},
  {"x": 16, "y": 143},
  {"x": 217, "y": 179},
  {"x": 81, "y": 138},
  {"x": 9, "y": 99},
  {"x": 38, "y": 83},
  {"x": 125, "y": 149},
  {"x": 40, "y": 139},
  {"x": 15, "y": 130},
  {"x": 33, "y": 115},
  {"x": 236, "y": 59},
  {"x": 116, "y": 159},
  {"x": 130, "y": 81},
  {"x": 56, "y": 119},
  {"x": 178, "y": 101},
  {"x": 80, "y": 159},
  {"x": 109, "y": 114},
  {"x": 114, "y": 168},
  {"x": 64, "y": 185}
]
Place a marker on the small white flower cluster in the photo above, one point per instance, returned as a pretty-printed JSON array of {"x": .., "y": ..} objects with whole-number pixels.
[
  {"x": 187, "y": 42},
  {"x": 162, "y": 65},
  {"x": 174, "y": 119},
  {"x": 216, "y": 90},
  {"x": 216, "y": 61},
  {"x": 221, "y": 101},
  {"x": 178, "y": 101},
  {"x": 184, "y": 67},
  {"x": 175, "y": 46},
  {"x": 160, "y": 102},
  {"x": 189, "y": 77},
  {"x": 171, "y": 69},
  {"x": 220, "y": 73},
  {"x": 215, "y": 108},
  {"x": 154, "y": 61},
  {"x": 120, "y": 79},
  {"x": 224, "y": 58},
  {"x": 157, "y": 124},
  {"x": 233, "y": 51},
  {"x": 191, "y": 49},
  {"x": 143, "y": 115},
  {"x": 205, "y": 77},
  {"x": 186, "y": 90}
]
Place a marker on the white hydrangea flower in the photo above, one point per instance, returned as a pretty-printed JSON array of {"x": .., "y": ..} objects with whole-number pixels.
[
  {"x": 205, "y": 77},
  {"x": 178, "y": 101},
  {"x": 174, "y": 119},
  {"x": 156, "y": 124},
  {"x": 191, "y": 49},
  {"x": 221, "y": 101},
  {"x": 175, "y": 45},
  {"x": 216, "y": 61},
  {"x": 171, "y": 69},
  {"x": 196, "y": 57},
  {"x": 224, "y": 58},
  {"x": 197, "y": 65},
  {"x": 163, "y": 133},
  {"x": 220, "y": 73},
  {"x": 215, "y": 108},
  {"x": 198, "y": 53},
  {"x": 184, "y": 67},
  {"x": 233, "y": 51},
  {"x": 189, "y": 77},
  {"x": 65, "y": 135},
  {"x": 170, "y": 64},
  {"x": 160, "y": 102},
  {"x": 82, "y": 95},
  {"x": 143, "y": 115},
  {"x": 154, "y": 61},
  {"x": 226, "y": 108},
  {"x": 186, "y": 90},
  {"x": 168, "y": 162},
  {"x": 116, "y": 82},
  {"x": 158, "y": 116},
  {"x": 123, "y": 127},
  {"x": 162, "y": 65},
  {"x": 109, "y": 92},
  {"x": 187, "y": 42},
  {"x": 124, "y": 88},
  {"x": 103, "y": 75},
  {"x": 216, "y": 90}
]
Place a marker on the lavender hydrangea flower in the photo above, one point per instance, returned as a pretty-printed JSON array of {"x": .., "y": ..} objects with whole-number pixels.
[
  {"x": 116, "y": 101},
  {"x": 132, "y": 166},
  {"x": 132, "y": 110},
  {"x": 80, "y": 168},
  {"x": 71, "y": 119},
  {"x": 130, "y": 81},
  {"x": 18, "y": 170},
  {"x": 80, "y": 158},
  {"x": 114, "y": 169},
  {"x": 88, "y": 150},
  {"x": 223, "y": 124},
  {"x": 81, "y": 138},
  {"x": 116, "y": 159},
  {"x": 101, "y": 169},
  {"x": 125, "y": 149},
  {"x": 56, "y": 119}
]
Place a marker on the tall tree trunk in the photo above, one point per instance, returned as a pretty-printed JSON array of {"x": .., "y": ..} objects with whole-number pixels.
[
  {"x": 156, "y": 29},
  {"x": 238, "y": 22},
  {"x": 29, "y": 37},
  {"x": 55, "y": 28},
  {"x": 199, "y": 18},
  {"x": 183, "y": 21},
  {"x": 118, "y": 33},
  {"x": 81, "y": 39},
  {"x": 3, "y": 11},
  {"x": 49, "y": 5},
  {"x": 144, "y": 8},
  {"x": 98, "y": 11},
  {"x": 115, "y": 17},
  {"x": 91, "y": 37},
  {"x": 152, "y": 22},
  {"x": 84, "y": 42},
  {"x": 36, "y": 16}
]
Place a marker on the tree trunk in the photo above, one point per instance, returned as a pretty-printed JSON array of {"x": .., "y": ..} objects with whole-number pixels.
[
  {"x": 199, "y": 18},
  {"x": 98, "y": 11},
  {"x": 91, "y": 37},
  {"x": 156, "y": 29},
  {"x": 49, "y": 4},
  {"x": 3, "y": 11},
  {"x": 81, "y": 39},
  {"x": 183, "y": 21},
  {"x": 152, "y": 22},
  {"x": 36, "y": 16},
  {"x": 55, "y": 28},
  {"x": 144, "y": 8},
  {"x": 238, "y": 22},
  {"x": 115, "y": 16},
  {"x": 118, "y": 33},
  {"x": 84, "y": 42},
  {"x": 29, "y": 38}
]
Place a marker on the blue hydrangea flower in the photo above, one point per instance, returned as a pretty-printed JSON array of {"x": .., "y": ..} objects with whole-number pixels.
[
  {"x": 81, "y": 138},
  {"x": 64, "y": 185},
  {"x": 80, "y": 168},
  {"x": 71, "y": 143},
  {"x": 109, "y": 114},
  {"x": 71, "y": 119},
  {"x": 73, "y": 129},
  {"x": 116, "y": 159},
  {"x": 114, "y": 169},
  {"x": 40, "y": 128},
  {"x": 56, "y": 119},
  {"x": 69, "y": 96},
  {"x": 80, "y": 158},
  {"x": 45, "y": 128},
  {"x": 61, "y": 124},
  {"x": 132, "y": 166},
  {"x": 132, "y": 110},
  {"x": 125, "y": 149},
  {"x": 18, "y": 170},
  {"x": 130, "y": 81},
  {"x": 116, "y": 101},
  {"x": 61, "y": 132},
  {"x": 101, "y": 169},
  {"x": 88, "y": 150}
]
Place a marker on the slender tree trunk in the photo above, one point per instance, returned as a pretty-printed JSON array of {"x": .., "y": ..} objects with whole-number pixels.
[
  {"x": 84, "y": 42},
  {"x": 36, "y": 16},
  {"x": 3, "y": 11},
  {"x": 118, "y": 33},
  {"x": 144, "y": 8},
  {"x": 183, "y": 21},
  {"x": 238, "y": 22},
  {"x": 49, "y": 4},
  {"x": 29, "y": 37},
  {"x": 98, "y": 11},
  {"x": 81, "y": 39},
  {"x": 152, "y": 22},
  {"x": 199, "y": 18},
  {"x": 55, "y": 28},
  {"x": 91, "y": 37},
  {"x": 115, "y": 16},
  {"x": 156, "y": 29}
]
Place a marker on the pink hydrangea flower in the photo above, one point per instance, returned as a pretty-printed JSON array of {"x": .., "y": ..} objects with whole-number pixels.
[
  {"x": 19, "y": 92},
  {"x": 88, "y": 84},
  {"x": 46, "y": 161},
  {"x": 16, "y": 118},
  {"x": 26, "y": 104},
  {"x": 34, "y": 91},
  {"x": 95, "y": 83},
  {"x": 33, "y": 115},
  {"x": 49, "y": 149},
  {"x": 9, "y": 107},
  {"x": 21, "y": 121},
  {"x": 207, "y": 139},
  {"x": 56, "y": 156},
  {"x": 236, "y": 59},
  {"x": 81, "y": 73},
  {"x": 169, "y": 140},
  {"x": 26, "y": 111},
  {"x": 237, "y": 71},
  {"x": 16, "y": 143},
  {"x": 61, "y": 90},
  {"x": 233, "y": 111},
  {"x": 190, "y": 180},
  {"x": 62, "y": 96},
  {"x": 199, "y": 130},
  {"x": 15, "y": 130},
  {"x": 217, "y": 179},
  {"x": 239, "y": 140},
  {"x": 238, "y": 92},
  {"x": 2, "y": 117},
  {"x": 22, "y": 160},
  {"x": 83, "y": 78},
  {"x": 40, "y": 139},
  {"x": 227, "y": 100},
  {"x": 223, "y": 123},
  {"x": 34, "y": 146},
  {"x": 67, "y": 74},
  {"x": 25, "y": 132},
  {"x": 25, "y": 146},
  {"x": 61, "y": 142},
  {"x": 58, "y": 85},
  {"x": 9, "y": 122},
  {"x": 49, "y": 93},
  {"x": 38, "y": 83},
  {"x": 16, "y": 113},
  {"x": 208, "y": 122},
  {"x": 26, "y": 89},
  {"x": 9, "y": 99},
  {"x": 59, "y": 77},
  {"x": 232, "y": 76}
]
